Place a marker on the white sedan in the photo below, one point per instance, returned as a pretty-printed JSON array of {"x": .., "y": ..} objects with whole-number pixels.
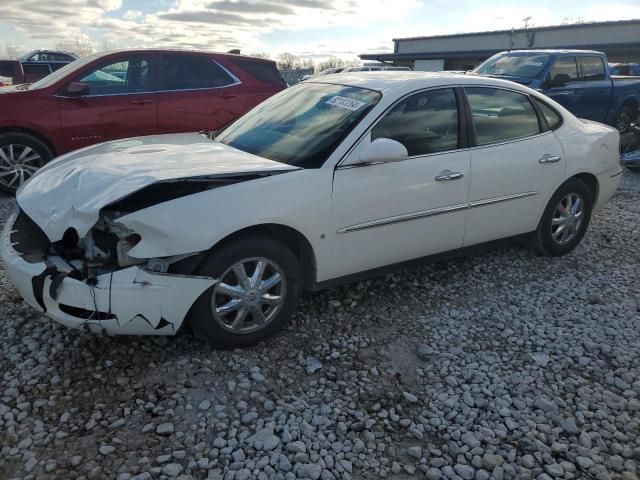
[{"x": 336, "y": 179}]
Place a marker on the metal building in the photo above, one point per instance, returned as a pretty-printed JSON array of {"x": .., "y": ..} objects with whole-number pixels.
[{"x": 620, "y": 40}]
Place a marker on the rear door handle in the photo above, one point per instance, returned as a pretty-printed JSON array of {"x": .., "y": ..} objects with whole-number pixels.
[
  {"x": 141, "y": 101},
  {"x": 448, "y": 175},
  {"x": 228, "y": 95},
  {"x": 547, "y": 158}
]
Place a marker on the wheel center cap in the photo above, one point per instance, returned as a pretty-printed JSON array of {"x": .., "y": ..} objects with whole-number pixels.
[{"x": 252, "y": 295}]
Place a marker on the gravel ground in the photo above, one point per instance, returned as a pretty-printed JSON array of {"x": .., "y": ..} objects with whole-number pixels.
[{"x": 504, "y": 365}]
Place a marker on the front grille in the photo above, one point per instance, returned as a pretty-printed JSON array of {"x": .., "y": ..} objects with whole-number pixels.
[{"x": 28, "y": 239}]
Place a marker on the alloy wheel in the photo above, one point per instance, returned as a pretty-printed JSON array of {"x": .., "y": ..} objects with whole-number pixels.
[
  {"x": 567, "y": 219},
  {"x": 248, "y": 295},
  {"x": 17, "y": 164}
]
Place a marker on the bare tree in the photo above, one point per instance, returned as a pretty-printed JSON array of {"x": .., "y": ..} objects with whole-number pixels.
[
  {"x": 82, "y": 45},
  {"x": 287, "y": 61},
  {"x": 335, "y": 62},
  {"x": 11, "y": 52},
  {"x": 261, "y": 55}
]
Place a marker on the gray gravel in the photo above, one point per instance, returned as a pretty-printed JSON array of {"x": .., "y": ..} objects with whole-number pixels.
[{"x": 504, "y": 365}]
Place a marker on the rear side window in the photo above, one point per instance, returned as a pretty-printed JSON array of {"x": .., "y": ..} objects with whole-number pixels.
[
  {"x": 265, "y": 72},
  {"x": 7, "y": 69},
  {"x": 592, "y": 68},
  {"x": 565, "y": 66},
  {"x": 501, "y": 115},
  {"x": 424, "y": 123},
  {"x": 550, "y": 115},
  {"x": 192, "y": 72},
  {"x": 36, "y": 69}
]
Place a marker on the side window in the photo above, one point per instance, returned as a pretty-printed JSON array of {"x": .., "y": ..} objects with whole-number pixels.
[
  {"x": 266, "y": 72},
  {"x": 501, "y": 115},
  {"x": 565, "y": 66},
  {"x": 592, "y": 68},
  {"x": 129, "y": 75},
  {"x": 191, "y": 72},
  {"x": 41, "y": 69},
  {"x": 424, "y": 123},
  {"x": 551, "y": 116}
]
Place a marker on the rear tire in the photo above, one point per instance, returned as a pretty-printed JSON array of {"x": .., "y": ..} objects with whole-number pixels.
[
  {"x": 21, "y": 155},
  {"x": 240, "y": 312},
  {"x": 623, "y": 119},
  {"x": 565, "y": 219}
]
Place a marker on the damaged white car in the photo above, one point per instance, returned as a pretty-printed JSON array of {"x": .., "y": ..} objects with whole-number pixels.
[{"x": 332, "y": 180}]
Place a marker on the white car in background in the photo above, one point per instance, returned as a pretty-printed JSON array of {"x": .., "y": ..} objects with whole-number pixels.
[{"x": 334, "y": 179}]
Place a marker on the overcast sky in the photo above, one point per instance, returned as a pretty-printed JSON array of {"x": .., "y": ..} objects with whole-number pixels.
[{"x": 313, "y": 28}]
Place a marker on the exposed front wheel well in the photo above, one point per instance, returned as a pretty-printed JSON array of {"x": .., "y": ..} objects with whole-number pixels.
[
  {"x": 33, "y": 133},
  {"x": 288, "y": 236}
]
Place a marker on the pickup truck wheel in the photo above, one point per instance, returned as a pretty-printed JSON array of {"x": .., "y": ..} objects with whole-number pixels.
[
  {"x": 623, "y": 119},
  {"x": 565, "y": 220},
  {"x": 259, "y": 286},
  {"x": 21, "y": 155}
]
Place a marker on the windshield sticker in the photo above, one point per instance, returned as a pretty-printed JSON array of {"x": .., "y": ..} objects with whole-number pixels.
[
  {"x": 535, "y": 64},
  {"x": 347, "y": 103}
]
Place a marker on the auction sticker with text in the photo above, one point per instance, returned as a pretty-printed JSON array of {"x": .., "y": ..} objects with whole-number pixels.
[{"x": 344, "y": 102}]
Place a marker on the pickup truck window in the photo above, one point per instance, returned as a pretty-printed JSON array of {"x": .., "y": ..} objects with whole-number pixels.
[
  {"x": 514, "y": 65},
  {"x": 592, "y": 68},
  {"x": 501, "y": 115},
  {"x": 565, "y": 66}
]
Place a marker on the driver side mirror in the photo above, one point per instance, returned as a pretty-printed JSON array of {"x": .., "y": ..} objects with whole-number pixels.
[
  {"x": 560, "y": 80},
  {"x": 383, "y": 150},
  {"x": 77, "y": 89}
]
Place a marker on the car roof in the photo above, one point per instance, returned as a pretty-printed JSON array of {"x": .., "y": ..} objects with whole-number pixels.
[
  {"x": 179, "y": 50},
  {"x": 555, "y": 51},
  {"x": 401, "y": 82}
]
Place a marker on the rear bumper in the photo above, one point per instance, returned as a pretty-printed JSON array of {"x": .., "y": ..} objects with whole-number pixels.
[
  {"x": 131, "y": 301},
  {"x": 608, "y": 183}
]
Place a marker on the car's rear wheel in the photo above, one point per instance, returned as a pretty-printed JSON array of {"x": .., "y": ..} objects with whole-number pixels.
[
  {"x": 565, "y": 219},
  {"x": 624, "y": 118},
  {"x": 259, "y": 286},
  {"x": 21, "y": 155}
]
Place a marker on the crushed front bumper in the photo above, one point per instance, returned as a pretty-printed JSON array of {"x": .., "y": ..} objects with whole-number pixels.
[{"x": 131, "y": 301}]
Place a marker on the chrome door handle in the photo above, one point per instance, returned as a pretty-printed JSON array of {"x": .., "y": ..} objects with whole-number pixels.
[
  {"x": 546, "y": 158},
  {"x": 449, "y": 175}
]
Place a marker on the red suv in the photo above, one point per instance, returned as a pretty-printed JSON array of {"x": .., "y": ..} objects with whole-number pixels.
[{"x": 125, "y": 94}]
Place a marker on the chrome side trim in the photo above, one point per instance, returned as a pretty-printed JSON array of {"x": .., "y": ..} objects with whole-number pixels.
[
  {"x": 407, "y": 217},
  {"x": 504, "y": 198}
]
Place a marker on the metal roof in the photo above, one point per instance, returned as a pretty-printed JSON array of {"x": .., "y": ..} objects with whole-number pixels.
[{"x": 537, "y": 29}]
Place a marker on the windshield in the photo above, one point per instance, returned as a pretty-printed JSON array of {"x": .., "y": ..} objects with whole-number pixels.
[
  {"x": 303, "y": 125},
  {"x": 525, "y": 65},
  {"x": 61, "y": 73}
]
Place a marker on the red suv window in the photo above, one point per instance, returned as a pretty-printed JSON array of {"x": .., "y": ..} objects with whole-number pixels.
[{"x": 191, "y": 72}]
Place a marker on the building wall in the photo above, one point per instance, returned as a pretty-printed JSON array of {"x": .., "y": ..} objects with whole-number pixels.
[{"x": 569, "y": 36}]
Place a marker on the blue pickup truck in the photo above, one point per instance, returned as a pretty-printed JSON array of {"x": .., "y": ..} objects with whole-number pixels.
[{"x": 577, "y": 79}]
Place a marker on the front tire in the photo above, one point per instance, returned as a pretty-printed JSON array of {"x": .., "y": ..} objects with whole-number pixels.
[
  {"x": 565, "y": 219},
  {"x": 21, "y": 155},
  {"x": 259, "y": 285}
]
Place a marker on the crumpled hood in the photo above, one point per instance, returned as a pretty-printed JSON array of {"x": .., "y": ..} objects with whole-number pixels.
[{"x": 71, "y": 190}]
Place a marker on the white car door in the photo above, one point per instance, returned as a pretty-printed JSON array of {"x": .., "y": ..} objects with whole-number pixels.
[
  {"x": 385, "y": 213},
  {"x": 515, "y": 165}
]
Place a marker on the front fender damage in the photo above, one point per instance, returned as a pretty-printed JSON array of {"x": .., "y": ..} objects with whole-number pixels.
[
  {"x": 131, "y": 301},
  {"x": 77, "y": 287}
]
